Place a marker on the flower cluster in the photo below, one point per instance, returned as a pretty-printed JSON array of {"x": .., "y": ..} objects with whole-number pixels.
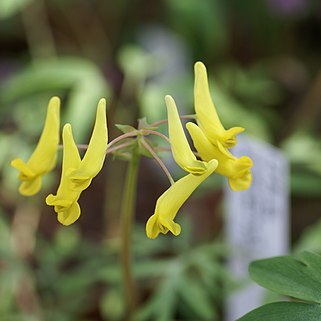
[
  {"x": 77, "y": 173},
  {"x": 211, "y": 141}
]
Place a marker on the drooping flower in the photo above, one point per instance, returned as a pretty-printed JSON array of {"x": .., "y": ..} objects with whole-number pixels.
[
  {"x": 181, "y": 150},
  {"x": 171, "y": 201},
  {"x": 65, "y": 201},
  {"x": 77, "y": 174},
  {"x": 44, "y": 157},
  {"x": 237, "y": 170},
  {"x": 207, "y": 117}
]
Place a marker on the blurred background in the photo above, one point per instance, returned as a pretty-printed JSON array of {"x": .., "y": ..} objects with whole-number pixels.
[{"x": 263, "y": 60}]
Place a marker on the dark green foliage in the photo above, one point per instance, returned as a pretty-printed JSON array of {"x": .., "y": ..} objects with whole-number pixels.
[{"x": 296, "y": 277}]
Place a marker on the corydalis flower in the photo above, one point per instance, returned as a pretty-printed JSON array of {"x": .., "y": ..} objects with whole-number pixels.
[
  {"x": 171, "y": 201},
  {"x": 65, "y": 201},
  {"x": 44, "y": 157},
  {"x": 206, "y": 114},
  {"x": 181, "y": 150},
  {"x": 237, "y": 170},
  {"x": 77, "y": 174}
]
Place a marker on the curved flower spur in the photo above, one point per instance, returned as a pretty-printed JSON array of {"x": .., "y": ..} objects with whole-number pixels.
[{"x": 206, "y": 115}]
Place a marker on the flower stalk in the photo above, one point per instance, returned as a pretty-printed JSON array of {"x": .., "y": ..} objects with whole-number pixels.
[{"x": 127, "y": 213}]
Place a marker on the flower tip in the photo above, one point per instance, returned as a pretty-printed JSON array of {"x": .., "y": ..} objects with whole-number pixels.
[
  {"x": 16, "y": 163},
  {"x": 101, "y": 111},
  {"x": 67, "y": 126},
  {"x": 50, "y": 199},
  {"x": 152, "y": 230},
  {"x": 102, "y": 102},
  {"x": 212, "y": 165},
  {"x": 199, "y": 66},
  {"x": 169, "y": 99},
  {"x": 67, "y": 133},
  {"x": 54, "y": 102}
]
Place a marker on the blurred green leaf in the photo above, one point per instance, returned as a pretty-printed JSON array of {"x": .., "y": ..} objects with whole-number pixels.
[
  {"x": 136, "y": 63},
  {"x": 79, "y": 76},
  {"x": 195, "y": 296},
  {"x": 207, "y": 34},
  {"x": 161, "y": 307},
  {"x": 305, "y": 183},
  {"x": 11, "y": 7},
  {"x": 310, "y": 239},
  {"x": 284, "y": 311},
  {"x": 67, "y": 240},
  {"x": 297, "y": 277},
  {"x": 112, "y": 305}
]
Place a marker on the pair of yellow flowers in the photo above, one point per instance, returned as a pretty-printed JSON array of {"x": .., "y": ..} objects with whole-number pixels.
[
  {"x": 210, "y": 139},
  {"x": 77, "y": 173}
]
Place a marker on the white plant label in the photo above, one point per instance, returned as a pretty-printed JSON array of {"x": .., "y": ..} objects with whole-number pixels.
[{"x": 257, "y": 221}]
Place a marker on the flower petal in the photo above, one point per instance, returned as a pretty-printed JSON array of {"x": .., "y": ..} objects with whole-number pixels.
[
  {"x": 237, "y": 170},
  {"x": 95, "y": 155},
  {"x": 70, "y": 161},
  {"x": 171, "y": 201},
  {"x": 25, "y": 171},
  {"x": 30, "y": 187},
  {"x": 44, "y": 157},
  {"x": 70, "y": 214},
  {"x": 181, "y": 150},
  {"x": 207, "y": 116}
]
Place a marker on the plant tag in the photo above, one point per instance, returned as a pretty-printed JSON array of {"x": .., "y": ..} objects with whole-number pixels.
[{"x": 257, "y": 221}]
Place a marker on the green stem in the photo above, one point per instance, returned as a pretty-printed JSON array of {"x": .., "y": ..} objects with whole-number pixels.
[{"x": 127, "y": 214}]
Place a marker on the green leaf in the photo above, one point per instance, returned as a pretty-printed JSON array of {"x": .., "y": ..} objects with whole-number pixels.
[
  {"x": 11, "y": 7},
  {"x": 143, "y": 124},
  {"x": 284, "y": 311},
  {"x": 126, "y": 128},
  {"x": 195, "y": 296},
  {"x": 162, "y": 305},
  {"x": 83, "y": 80},
  {"x": 296, "y": 277}
]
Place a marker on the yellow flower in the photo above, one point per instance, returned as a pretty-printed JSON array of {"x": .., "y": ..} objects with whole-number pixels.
[
  {"x": 181, "y": 150},
  {"x": 77, "y": 174},
  {"x": 44, "y": 157},
  {"x": 206, "y": 114},
  {"x": 65, "y": 201},
  {"x": 171, "y": 201},
  {"x": 237, "y": 170}
]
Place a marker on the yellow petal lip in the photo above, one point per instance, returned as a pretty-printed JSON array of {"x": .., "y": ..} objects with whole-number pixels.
[
  {"x": 207, "y": 117},
  {"x": 181, "y": 150},
  {"x": 237, "y": 170},
  {"x": 169, "y": 203},
  {"x": 30, "y": 187},
  {"x": 70, "y": 215},
  {"x": 44, "y": 157}
]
